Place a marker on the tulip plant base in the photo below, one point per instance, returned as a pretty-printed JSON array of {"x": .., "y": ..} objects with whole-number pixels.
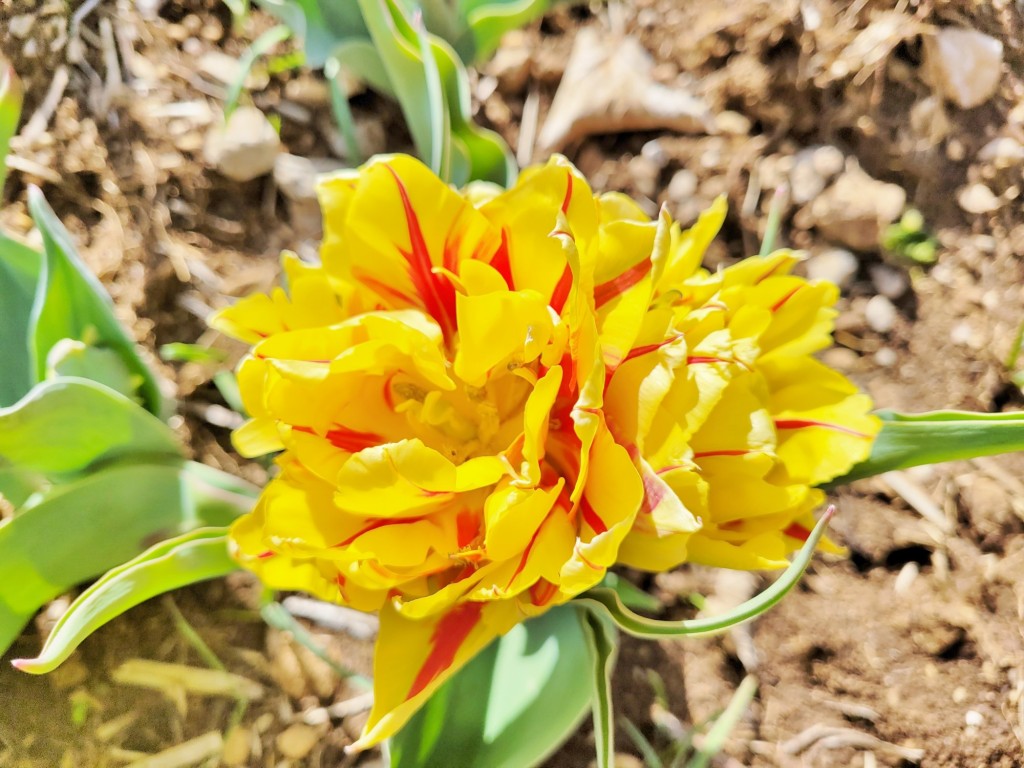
[{"x": 913, "y": 641}]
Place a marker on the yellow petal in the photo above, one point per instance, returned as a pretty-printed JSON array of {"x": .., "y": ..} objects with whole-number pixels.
[{"x": 414, "y": 657}]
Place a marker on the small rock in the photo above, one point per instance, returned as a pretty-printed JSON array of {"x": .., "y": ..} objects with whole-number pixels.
[
  {"x": 813, "y": 168},
  {"x": 880, "y": 314},
  {"x": 245, "y": 147},
  {"x": 21, "y": 26},
  {"x": 886, "y": 357},
  {"x": 977, "y": 198},
  {"x": 682, "y": 186},
  {"x": 655, "y": 151},
  {"x": 219, "y": 67},
  {"x": 855, "y": 210},
  {"x": 973, "y": 718},
  {"x": 511, "y": 67},
  {"x": 1003, "y": 151},
  {"x": 296, "y": 741},
  {"x": 732, "y": 123},
  {"x": 888, "y": 281},
  {"x": 837, "y": 265},
  {"x": 964, "y": 65},
  {"x": 296, "y": 176},
  {"x": 644, "y": 174}
]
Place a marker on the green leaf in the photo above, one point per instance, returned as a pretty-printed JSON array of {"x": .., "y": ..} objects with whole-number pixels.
[
  {"x": 70, "y": 303},
  {"x": 321, "y": 24},
  {"x": 908, "y": 440},
  {"x": 83, "y": 528},
  {"x": 261, "y": 46},
  {"x": 180, "y": 352},
  {"x": 607, "y": 600},
  {"x": 477, "y": 153},
  {"x": 171, "y": 564},
  {"x": 68, "y": 425},
  {"x": 490, "y": 19},
  {"x": 398, "y": 46},
  {"x": 714, "y": 741},
  {"x": 19, "y": 272},
  {"x": 10, "y": 113},
  {"x": 511, "y": 706},
  {"x": 602, "y": 641},
  {"x": 631, "y": 595}
]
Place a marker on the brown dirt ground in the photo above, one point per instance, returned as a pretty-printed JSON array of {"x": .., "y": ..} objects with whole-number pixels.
[{"x": 914, "y": 642}]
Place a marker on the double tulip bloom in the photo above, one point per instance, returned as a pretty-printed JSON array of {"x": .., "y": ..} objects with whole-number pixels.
[{"x": 485, "y": 400}]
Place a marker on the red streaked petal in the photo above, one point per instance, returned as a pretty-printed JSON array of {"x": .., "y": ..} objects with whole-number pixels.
[{"x": 782, "y": 424}]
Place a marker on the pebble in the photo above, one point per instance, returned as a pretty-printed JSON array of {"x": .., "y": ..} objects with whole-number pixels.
[
  {"x": 880, "y": 314},
  {"x": 296, "y": 741},
  {"x": 682, "y": 186},
  {"x": 964, "y": 65},
  {"x": 1003, "y": 151},
  {"x": 837, "y": 265},
  {"x": 855, "y": 209},
  {"x": 813, "y": 168},
  {"x": 510, "y": 66},
  {"x": 296, "y": 176},
  {"x": 977, "y": 198},
  {"x": 245, "y": 147},
  {"x": 655, "y": 151},
  {"x": 889, "y": 281},
  {"x": 886, "y": 357},
  {"x": 644, "y": 173},
  {"x": 973, "y": 718}
]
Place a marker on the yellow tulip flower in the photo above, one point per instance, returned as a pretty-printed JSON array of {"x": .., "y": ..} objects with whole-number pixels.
[{"x": 486, "y": 399}]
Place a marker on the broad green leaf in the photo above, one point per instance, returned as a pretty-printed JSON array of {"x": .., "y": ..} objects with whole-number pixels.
[
  {"x": 172, "y": 564},
  {"x": 19, "y": 271},
  {"x": 602, "y": 641},
  {"x": 67, "y": 425},
  {"x": 477, "y": 153},
  {"x": 70, "y": 303},
  {"x": 17, "y": 485},
  {"x": 601, "y": 599},
  {"x": 907, "y": 440},
  {"x": 714, "y": 741},
  {"x": 10, "y": 113},
  {"x": 490, "y": 19},
  {"x": 511, "y": 706},
  {"x": 82, "y": 529},
  {"x": 321, "y": 24},
  {"x": 69, "y": 358},
  {"x": 398, "y": 47}
]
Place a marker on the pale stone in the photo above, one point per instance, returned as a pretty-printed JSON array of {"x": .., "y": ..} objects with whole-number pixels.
[
  {"x": 245, "y": 147},
  {"x": 964, "y": 65}
]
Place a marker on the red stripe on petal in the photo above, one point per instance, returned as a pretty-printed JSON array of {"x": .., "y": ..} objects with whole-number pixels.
[
  {"x": 723, "y": 452},
  {"x": 783, "y": 424},
  {"x": 561, "y": 292},
  {"x": 501, "y": 261},
  {"x": 449, "y": 635},
  {"x": 438, "y": 295},
  {"x": 590, "y": 516},
  {"x": 468, "y": 527},
  {"x": 797, "y": 531},
  {"x": 607, "y": 291},
  {"x": 647, "y": 348},
  {"x": 346, "y": 439},
  {"x": 568, "y": 194},
  {"x": 781, "y": 302},
  {"x": 381, "y": 523}
]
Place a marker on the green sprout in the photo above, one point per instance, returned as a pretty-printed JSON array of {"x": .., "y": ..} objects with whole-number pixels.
[{"x": 907, "y": 240}]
